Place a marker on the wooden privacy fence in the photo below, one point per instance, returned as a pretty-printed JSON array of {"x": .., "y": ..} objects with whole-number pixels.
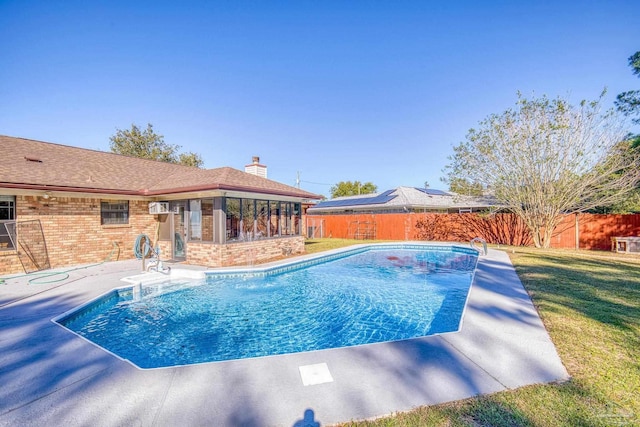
[{"x": 584, "y": 231}]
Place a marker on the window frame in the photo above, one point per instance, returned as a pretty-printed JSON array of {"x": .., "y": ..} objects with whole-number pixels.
[
  {"x": 10, "y": 210},
  {"x": 261, "y": 218},
  {"x": 109, "y": 215},
  {"x": 232, "y": 210}
]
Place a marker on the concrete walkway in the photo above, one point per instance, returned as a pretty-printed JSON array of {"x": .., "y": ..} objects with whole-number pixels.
[{"x": 49, "y": 376}]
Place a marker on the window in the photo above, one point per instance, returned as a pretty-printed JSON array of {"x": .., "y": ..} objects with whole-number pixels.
[
  {"x": 7, "y": 208},
  {"x": 262, "y": 218},
  {"x": 207, "y": 220},
  {"x": 296, "y": 217},
  {"x": 253, "y": 219},
  {"x": 285, "y": 218},
  {"x": 232, "y": 209},
  {"x": 7, "y": 214},
  {"x": 114, "y": 212},
  {"x": 201, "y": 220},
  {"x": 248, "y": 219},
  {"x": 195, "y": 220},
  {"x": 274, "y": 218}
]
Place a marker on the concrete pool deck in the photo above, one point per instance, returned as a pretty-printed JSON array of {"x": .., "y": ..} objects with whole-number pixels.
[{"x": 49, "y": 375}]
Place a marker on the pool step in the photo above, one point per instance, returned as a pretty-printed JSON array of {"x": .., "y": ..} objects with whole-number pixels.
[{"x": 145, "y": 278}]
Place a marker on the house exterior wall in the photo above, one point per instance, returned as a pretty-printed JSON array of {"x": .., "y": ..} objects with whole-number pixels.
[
  {"x": 165, "y": 249},
  {"x": 215, "y": 251},
  {"x": 73, "y": 233},
  {"x": 243, "y": 253},
  {"x": 9, "y": 263}
]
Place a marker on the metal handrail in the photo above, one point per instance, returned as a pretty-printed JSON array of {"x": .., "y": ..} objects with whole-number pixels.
[{"x": 481, "y": 240}]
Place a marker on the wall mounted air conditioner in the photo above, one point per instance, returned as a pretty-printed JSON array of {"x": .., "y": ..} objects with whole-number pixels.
[{"x": 156, "y": 208}]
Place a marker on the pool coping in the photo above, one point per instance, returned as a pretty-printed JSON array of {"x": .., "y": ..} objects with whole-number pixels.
[
  {"x": 51, "y": 375},
  {"x": 138, "y": 282}
]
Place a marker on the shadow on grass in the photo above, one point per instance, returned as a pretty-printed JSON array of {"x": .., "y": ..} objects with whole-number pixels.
[
  {"x": 553, "y": 405},
  {"x": 488, "y": 411},
  {"x": 566, "y": 404},
  {"x": 605, "y": 291}
]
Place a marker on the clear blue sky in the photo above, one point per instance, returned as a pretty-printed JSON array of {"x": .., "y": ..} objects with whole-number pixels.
[{"x": 337, "y": 91}]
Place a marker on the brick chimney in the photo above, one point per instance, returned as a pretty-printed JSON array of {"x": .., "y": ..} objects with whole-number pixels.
[{"x": 255, "y": 168}]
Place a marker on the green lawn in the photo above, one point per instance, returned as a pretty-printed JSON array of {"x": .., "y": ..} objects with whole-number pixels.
[{"x": 590, "y": 304}]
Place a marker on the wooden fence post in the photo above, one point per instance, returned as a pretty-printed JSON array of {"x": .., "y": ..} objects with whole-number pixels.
[{"x": 577, "y": 232}]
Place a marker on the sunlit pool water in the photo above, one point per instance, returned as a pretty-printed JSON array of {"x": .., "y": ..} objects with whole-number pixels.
[{"x": 370, "y": 295}]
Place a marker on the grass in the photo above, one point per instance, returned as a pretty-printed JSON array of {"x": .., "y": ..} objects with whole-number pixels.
[{"x": 590, "y": 305}]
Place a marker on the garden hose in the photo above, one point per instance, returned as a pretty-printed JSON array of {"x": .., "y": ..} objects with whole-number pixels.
[
  {"x": 38, "y": 278},
  {"x": 137, "y": 251}
]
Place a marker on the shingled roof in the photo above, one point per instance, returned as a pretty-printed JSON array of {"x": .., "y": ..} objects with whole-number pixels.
[{"x": 37, "y": 165}]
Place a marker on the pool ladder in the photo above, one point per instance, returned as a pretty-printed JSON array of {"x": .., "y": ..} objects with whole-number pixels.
[
  {"x": 479, "y": 240},
  {"x": 155, "y": 263}
]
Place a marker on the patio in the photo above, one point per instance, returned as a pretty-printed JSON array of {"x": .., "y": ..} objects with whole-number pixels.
[{"x": 50, "y": 375}]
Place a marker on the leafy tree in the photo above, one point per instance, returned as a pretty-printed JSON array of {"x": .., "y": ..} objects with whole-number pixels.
[
  {"x": 190, "y": 159},
  {"x": 147, "y": 144},
  {"x": 631, "y": 203},
  {"x": 348, "y": 188},
  {"x": 465, "y": 187},
  {"x": 629, "y": 102},
  {"x": 546, "y": 158}
]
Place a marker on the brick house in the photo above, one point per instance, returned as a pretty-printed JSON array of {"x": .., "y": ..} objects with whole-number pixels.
[{"x": 62, "y": 205}]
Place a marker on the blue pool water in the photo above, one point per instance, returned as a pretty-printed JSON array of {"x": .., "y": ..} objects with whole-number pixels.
[{"x": 367, "y": 296}]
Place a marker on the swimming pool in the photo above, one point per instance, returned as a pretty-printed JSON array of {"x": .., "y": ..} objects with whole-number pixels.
[{"x": 359, "y": 296}]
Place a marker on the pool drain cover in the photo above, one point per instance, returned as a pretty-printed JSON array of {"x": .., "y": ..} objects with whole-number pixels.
[{"x": 315, "y": 374}]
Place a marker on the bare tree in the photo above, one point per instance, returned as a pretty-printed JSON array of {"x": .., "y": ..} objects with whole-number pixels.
[
  {"x": 433, "y": 227},
  {"x": 546, "y": 158}
]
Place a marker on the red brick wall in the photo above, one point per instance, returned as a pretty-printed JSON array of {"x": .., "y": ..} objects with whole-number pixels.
[
  {"x": 9, "y": 263},
  {"x": 165, "y": 248},
  {"x": 243, "y": 253},
  {"x": 73, "y": 233}
]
